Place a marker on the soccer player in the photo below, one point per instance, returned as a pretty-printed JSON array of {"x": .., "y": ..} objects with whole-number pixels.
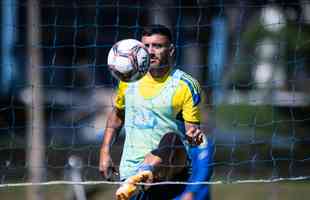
[{"x": 161, "y": 116}]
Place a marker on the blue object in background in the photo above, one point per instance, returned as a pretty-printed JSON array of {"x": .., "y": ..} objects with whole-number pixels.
[
  {"x": 8, "y": 36},
  {"x": 217, "y": 56}
]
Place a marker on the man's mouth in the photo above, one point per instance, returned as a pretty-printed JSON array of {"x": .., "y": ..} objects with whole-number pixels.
[{"x": 153, "y": 59}]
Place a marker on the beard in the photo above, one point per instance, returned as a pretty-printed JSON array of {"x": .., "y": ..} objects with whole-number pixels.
[{"x": 157, "y": 63}]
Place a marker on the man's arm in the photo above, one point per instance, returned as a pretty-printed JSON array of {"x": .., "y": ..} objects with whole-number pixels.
[
  {"x": 114, "y": 124},
  {"x": 202, "y": 158},
  {"x": 189, "y": 96}
]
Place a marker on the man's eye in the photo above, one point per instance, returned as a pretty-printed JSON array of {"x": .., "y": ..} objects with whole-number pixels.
[
  {"x": 158, "y": 46},
  {"x": 155, "y": 46}
]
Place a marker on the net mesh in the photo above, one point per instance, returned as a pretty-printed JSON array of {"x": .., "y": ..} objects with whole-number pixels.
[{"x": 250, "y": 58}]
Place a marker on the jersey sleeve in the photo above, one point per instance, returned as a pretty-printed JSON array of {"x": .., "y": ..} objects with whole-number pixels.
[
  {"x": 119, "y": 101},
  {"x": 202, "y": 158},
  {"x": 189, "y": 97}
]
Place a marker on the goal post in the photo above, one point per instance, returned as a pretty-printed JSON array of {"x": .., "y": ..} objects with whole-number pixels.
[{"x": 35, "y": 147}]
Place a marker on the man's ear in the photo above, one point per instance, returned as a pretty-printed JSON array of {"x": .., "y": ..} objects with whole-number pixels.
[{"x": 172, "y": 50}]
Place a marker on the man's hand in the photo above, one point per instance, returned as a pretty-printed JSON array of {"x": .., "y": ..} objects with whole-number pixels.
[
  {"x": 187, "y": 196},
  {"x": 106, "y": 166},
  {"x": 194, "y": 135}
]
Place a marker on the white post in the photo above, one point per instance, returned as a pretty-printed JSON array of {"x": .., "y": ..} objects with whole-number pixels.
[{"x": 35, "y": 136}]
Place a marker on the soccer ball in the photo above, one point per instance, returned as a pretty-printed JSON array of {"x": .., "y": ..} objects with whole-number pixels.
[{"x": 128, "y": 60}]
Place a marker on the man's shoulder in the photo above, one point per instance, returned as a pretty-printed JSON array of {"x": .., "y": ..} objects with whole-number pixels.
[
  {"x": 122, "y": 88},
  {"x": 190, "y": 82},
  {"x": 190, "y": 86}
]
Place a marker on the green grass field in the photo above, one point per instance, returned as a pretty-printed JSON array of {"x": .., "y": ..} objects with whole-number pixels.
[
  {"x": 293, "y": 190},
  {"x": 262, "y": 191}
]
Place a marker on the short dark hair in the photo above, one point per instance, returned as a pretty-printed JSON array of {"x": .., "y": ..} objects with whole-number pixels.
[{"x": 157, "y": 29}]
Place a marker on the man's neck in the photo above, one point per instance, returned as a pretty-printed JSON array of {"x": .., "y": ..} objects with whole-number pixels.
[{"x": 159, "y": 72}]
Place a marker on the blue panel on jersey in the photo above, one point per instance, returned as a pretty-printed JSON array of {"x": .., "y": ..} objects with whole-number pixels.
[{"x": 194, "y": 90}]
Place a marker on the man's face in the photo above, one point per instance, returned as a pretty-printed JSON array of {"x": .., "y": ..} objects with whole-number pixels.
[{"x": 159, "y": 48}]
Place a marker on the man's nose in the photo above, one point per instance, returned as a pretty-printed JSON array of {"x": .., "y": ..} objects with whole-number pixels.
[{"x": 150, "y": 49}]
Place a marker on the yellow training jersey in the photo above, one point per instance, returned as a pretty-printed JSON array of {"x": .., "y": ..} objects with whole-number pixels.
[{"x": 185, "y": 100}]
